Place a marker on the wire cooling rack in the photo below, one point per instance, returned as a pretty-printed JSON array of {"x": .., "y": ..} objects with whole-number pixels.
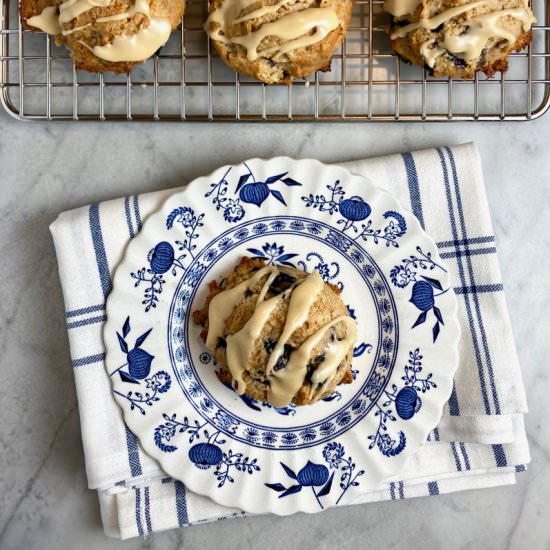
[{"x": 187, "y": 82}]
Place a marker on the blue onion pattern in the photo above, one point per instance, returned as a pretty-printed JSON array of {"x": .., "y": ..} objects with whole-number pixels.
[
  {"x": 205, "y": 455},
  {"x": 161, "y": 258}
]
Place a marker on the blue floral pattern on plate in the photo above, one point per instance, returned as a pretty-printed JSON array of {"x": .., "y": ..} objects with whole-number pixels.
[{"x": 308, "y": 216}]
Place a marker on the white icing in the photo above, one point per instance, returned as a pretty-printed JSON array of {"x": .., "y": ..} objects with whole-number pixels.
[
  {"x": 131, "y": 48},
  {"x": 286, "y": 381},
  {"x": 479, "y": 29},
  {"x": 399, "y": 8},
  {"x": 295, "y": 30},
  {"x": 46, "y": 21}
]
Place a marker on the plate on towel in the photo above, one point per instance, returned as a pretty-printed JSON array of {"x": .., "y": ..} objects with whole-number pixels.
[{"x": 244, "y": 453}]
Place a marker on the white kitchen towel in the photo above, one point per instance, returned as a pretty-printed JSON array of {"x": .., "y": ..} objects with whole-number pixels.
[{"x": 480, "y": 441}]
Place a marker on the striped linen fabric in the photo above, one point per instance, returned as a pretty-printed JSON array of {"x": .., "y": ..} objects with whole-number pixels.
[{"x": 480, "y": 441}]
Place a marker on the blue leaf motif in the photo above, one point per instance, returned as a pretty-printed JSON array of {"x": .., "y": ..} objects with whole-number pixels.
[
  {"x": 122, "y": 343},
  {"x": 434, "y": 282},
  {"x": 142, "y": 338},
  {"x": 126, "y": 327},
  {"x": 278, "y": 196},
  {"x": 326, "y": 489},
  {"x": 242, "y": 180},
  {"x": 421, "y": 319},
  {"x": 291, "y": 490},
  {"x": 438, "y": 315},
  {"x": 291, "y": 183},
  {"x": 276, "y": 486},
  {"x": 288, "y": 471},
  {"x": 435, "y": 331},
  {"x": 273, "y": 179}
]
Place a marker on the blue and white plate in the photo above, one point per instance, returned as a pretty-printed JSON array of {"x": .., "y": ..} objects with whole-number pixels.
[{"x": 244, "y": 453}]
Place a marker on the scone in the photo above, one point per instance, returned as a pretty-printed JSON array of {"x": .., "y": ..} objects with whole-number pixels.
[
  {"x": 105, "y": 35},
  {"x": 456, "y": 38},
  {"x": 276, "y": 41},
  {"x": 278, "y": 334}
]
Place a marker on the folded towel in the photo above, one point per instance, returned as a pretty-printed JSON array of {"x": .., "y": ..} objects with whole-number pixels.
[{"x": 480, "y": 441}]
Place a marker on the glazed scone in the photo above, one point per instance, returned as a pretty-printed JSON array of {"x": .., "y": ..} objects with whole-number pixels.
[
  {"x": 105, "y": 35},
  {"x": 276, "y": 41},
  {"x": 456, "y": 38},
  {"x": 278, "y": 334}
]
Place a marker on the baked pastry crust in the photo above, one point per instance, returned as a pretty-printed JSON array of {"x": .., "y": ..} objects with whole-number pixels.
[
  {"x": 298, "y": 63},
  {"x": 327, "y": 307},
  {"x": 93, "y": 33},
  {"x": 426, "y": 47}
]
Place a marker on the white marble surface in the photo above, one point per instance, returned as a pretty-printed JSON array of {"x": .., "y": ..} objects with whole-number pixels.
[{"x": 47, "y": 168}]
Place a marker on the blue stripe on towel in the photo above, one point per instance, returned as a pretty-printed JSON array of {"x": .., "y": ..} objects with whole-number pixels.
[
  {"x": 139, "y": 523},
  {"x": 478, "y": 289},
  {"x": 89, "y": 360},
  {"x": 133, "y": 453},
  {"x": 99, "y": 248},
  {"x": 401, "y": 490},
  {"x": 454, "y": 409},
  {"x": 468, "y": 241},
  {"x": 84, "y": 311},
  {"x": 392, "y": 490},
  {"x": 520, "y": 468},
  {"x": 128, "y": 216},
  {"x": 456, "y": 457},
  {"x": 463, "y": 281},
  {"x": 433, "y": 488},
  {"x": 148, "y": 510},
  {"x": 500, "y": 455},
  {"x": 476, "y": 252},
  {"x": 137, "y": 213},
  {"x": 477, "y": 308},
  {"x": 181, "y": 504},
  {"x": 414, "y": 189},
  {"x": 465, "y": 455},
  {"x": 89, "y": 321}
]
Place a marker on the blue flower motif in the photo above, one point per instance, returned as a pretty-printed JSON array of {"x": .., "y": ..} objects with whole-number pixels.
[
  {"x": 369, "y": 271},
  {"x": 278, "y": 225},
  {"x": 260, "y": 228},
  {"x": 343, "y": 418},
  {"x": 308, "y": 434},
  {"x": 269, "y": 438},
  {"x": 210, "y": 255},
  {"x": 252, "y": 435},
  {"x": 160, "y": 381},
  {"x": 326, "y": 428},
  {"x": 225, "y": 421},
  {"x": 195, "y": 389},
  {"x": 194, "y": 275},
  {"x": 206, "y": 404},
  {"x": 297, "y": 225},
  {"x": 184, "y": 297},
  {"x": 357, "y": 256},
  {"x": 241, "y": 234},
  {"x": 374, "y": 385},
  {"x": 333, "y": 454},
  {"x": 341, "y": 242},
  {"x": 179, "y": 334},
  {"x": 225, "y": 243},
  {"x": 359, "y": 406},
  {"x": 184, "y": 215},
  {"x": 314, "y": 228},
  {"x": 387, "y": 324},
  {"x": 233, "y": 211},
  {"x": 179, "y": 314},
  {"x": 289, "y": 438}
]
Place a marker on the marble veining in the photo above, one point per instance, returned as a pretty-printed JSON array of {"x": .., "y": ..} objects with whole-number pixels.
[{"x": 47, "y": 168}]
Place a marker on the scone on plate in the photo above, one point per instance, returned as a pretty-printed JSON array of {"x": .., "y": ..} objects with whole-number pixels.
[
  {"x": 105, "y": 35},
  {"x": 276, "y": 41},
  {"x": 456, "y": 38},
  {"x": 278, "y": 334}
]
